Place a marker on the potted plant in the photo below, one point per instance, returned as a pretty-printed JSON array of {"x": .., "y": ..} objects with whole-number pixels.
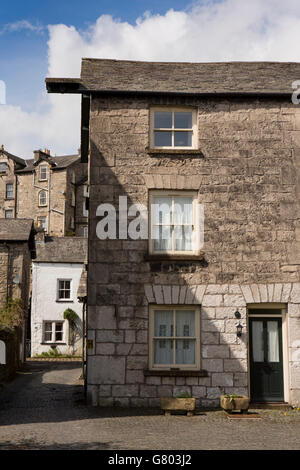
[
  {"x": 182, "y": 402},
  {"x": 234, "y": 402}
]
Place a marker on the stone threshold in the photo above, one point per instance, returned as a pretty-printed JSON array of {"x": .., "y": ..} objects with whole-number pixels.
[
  {"x": 269, "y": 406},
  {"x": 175, "y": 373}
]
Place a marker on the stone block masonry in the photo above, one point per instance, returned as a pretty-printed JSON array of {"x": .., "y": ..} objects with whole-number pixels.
[{"x": 246, "y": 178}]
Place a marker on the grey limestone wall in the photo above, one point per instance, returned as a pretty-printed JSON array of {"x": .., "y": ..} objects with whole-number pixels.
[{"x": 248, "y": 180}]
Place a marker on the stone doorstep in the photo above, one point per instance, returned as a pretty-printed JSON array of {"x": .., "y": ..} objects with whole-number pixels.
[{"x": 270, "y": 406}]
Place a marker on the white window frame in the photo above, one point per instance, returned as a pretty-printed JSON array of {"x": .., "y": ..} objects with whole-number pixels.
[
  {"x": 85, "y": 231},
  {"x": 53, "y": 332},
  {"x": 12, "y": 213},
  {"x": 85, "y": 212},
  {"x": 5, "y": 166},
  {"x": 85, "y": 190},
  {"x": 12, "y": 191},
  {"x": 64, "y": 299},
  {"x": 168, "y": 193},
  {"x": 41, "y": 217},
  {"x": 41, "y": 168},
  {"x": 173, "y": 109},
  {"x": 46, "y": 198},
  {"x": 196, "y": 365}
]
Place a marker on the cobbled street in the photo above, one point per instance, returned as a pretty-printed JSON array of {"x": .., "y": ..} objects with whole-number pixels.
[{"x": 43, "y": 408}]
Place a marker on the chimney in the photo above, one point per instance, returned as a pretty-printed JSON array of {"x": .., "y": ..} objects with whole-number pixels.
[
  {"x": 36, "y": 154},
  {"x": 47, "y": 151},
  {"x": 1, "y": 147}
]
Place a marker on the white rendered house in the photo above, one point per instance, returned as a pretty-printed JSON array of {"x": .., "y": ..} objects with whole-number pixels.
[{"x": 54, "y": 290}]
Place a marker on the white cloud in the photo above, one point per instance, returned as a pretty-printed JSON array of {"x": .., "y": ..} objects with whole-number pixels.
[
  {"x": 20, "y": 26},
  {"x": 207, "y": 31}
]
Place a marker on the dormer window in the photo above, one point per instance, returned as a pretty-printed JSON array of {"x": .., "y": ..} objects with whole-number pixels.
[
  {"x": 3, "y": 167},
  {"x": 43, "y": 173}
]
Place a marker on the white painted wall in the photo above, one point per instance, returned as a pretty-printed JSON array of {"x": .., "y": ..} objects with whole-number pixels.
[{"x": 46, "y": 307}]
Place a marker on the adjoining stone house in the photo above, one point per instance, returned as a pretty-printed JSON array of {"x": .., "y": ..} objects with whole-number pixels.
[
  {"x": 16, "y": 252},
  {"x": 56, "y": 274},
  {"x": 44, "y": 188},
  {"x": 164, "y": 317}
]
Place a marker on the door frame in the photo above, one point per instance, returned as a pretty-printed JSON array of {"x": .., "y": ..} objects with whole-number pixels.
[{"x": 285, "y": 355}]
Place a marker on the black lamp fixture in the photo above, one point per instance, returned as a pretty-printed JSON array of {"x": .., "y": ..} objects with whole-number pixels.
[
  {"x": 239, "y": 329},
  {"x": 237, "y": 314}
]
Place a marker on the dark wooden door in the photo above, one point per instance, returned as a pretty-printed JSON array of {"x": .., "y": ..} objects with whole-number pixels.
[{"x": 266, "y": 364}]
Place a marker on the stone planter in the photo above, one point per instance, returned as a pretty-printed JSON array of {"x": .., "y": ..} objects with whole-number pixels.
[
  {"x": 169, "y": 404},
  {"x": 229, "y": 404}
]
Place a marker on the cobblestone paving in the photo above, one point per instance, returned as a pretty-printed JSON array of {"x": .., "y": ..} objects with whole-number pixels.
[{"x": 43, "y": 409}]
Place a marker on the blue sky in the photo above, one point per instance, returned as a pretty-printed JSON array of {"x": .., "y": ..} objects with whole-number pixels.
[
  {"x": 49, "y": 38},
  {"x": 23, "y": 52}
]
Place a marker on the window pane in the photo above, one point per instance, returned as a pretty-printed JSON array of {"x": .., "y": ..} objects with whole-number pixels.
[
  {"x": 162, "y": 139},
  {"x": 183, "y": 238},
  {"x": 48, "y": 336},
  {"x": 9, "y": 214},
  {"x": 162, "y": 238},
  {"x": 163, "y": 351},
  {"x": 183, "y": 210},
  {"x": 257, "y": 341},
  {"x": 185, "y": 323},
  {"x": 183, "y": 139},
  {"x": 162, "y": 210},
  {"x": 163, "y": 323},
  {"x": 185, "y": 351},
  {"x": 182, "y": 120},
  {"x": 2, "y": 167},
  {"x": 162, "y": 120},
  {"x": 273, "y": 341}
]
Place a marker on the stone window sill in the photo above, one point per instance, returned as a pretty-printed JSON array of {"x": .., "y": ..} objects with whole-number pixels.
[
  {"x": 175, "y": 373},
  {"x": 175, "y": 153},
  {"x": 54, "y": 344},
  {"x": 171, "y": 258}
]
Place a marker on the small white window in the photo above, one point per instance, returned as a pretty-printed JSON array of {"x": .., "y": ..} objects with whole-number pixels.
[
  {"x": 42, "y": 222},
  {"x": 9, "y": 214},
  {"x": 9, "y": 191},
  {"x": 72, "y": 223},
  {"x": 173, "y": 128},
  {"x": 85, "y": 232},
  {"x": 3, "y": 167},
  {"x": 64, "y": 289},
  {"x": 173, "y": 220},
  {"x": 54, "y": 332},
  {"x": 85, "y": 190},
  {"x": 42, "y": 198},
  {"x": 174, "y": 337},
  {"x": 85, "y": 212},
  {"x": 43, "y": 173}
]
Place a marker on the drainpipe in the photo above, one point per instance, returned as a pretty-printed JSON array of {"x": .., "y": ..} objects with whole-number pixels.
[
  {"x": 49, "y": 192},
  {"x": 7, "y": 270}
]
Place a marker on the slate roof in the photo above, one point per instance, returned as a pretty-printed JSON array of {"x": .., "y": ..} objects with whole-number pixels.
[
  {"x": 61, "y": 250},
  {"x": 18, "y": 160},
  {"x": 103, "y": 75},
  {"x": 59, "y": 161},
  {"x": 15, "y": 229}
]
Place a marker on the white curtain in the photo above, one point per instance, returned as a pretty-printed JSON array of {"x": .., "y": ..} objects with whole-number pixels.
[
  {"x": 183, "y": 220},
  {"x": 273, "y": 341},
  {"x": 163, "y": 326},
  {"x": 162, "y": 214},
  {"x": 257, "y": 341},
  {"x": 185, "y": 326}
]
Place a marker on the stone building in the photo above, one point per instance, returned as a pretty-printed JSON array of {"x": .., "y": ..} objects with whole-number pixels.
[
  {"x": 16, "y": 252},
  {"x": 163, "y": 315},
  {"x": 56, "y": 273},
  {"x": 46, "y": 189}
]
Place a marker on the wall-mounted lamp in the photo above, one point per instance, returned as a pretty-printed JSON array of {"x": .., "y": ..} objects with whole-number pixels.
[
  {"x": 239, "y": 330},
  {"x": 237, "y": 314}
]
